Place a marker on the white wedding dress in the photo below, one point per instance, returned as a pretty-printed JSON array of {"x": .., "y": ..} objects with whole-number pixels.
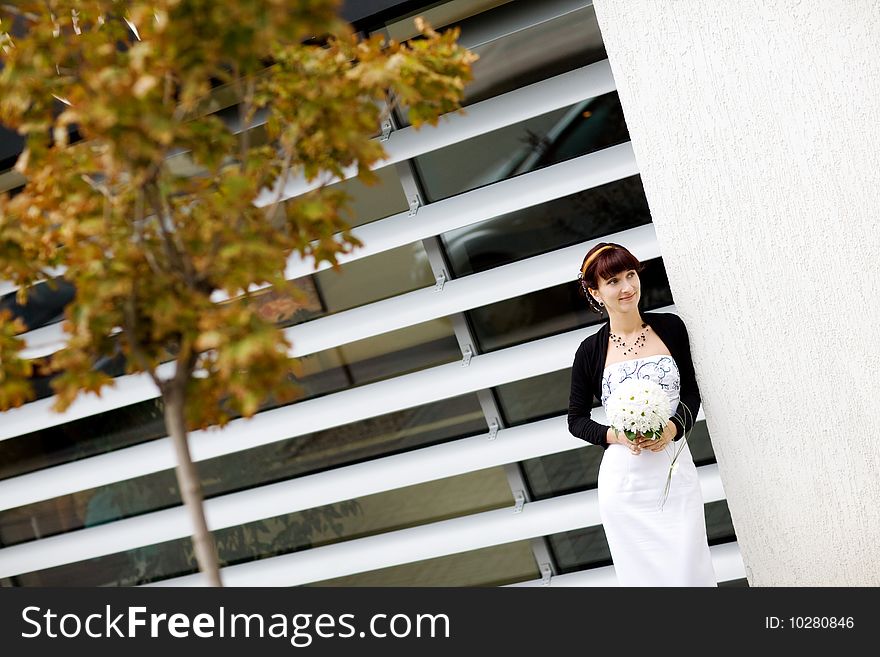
[{"x": 650, "y": 546}]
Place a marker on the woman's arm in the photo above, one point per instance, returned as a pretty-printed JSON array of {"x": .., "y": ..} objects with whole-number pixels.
[
  {"x": 580, "y": 403},
  {"x": 689, "y": 396}
]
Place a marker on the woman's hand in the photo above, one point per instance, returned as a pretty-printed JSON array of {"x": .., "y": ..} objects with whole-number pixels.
[
  {"x": 632, "y": 445},
  {"x": 660, "y": 444},
  {"x": 620, "y": 438}
]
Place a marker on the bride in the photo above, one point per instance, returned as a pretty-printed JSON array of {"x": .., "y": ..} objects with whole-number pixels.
[{"x": 650, "y": 545}]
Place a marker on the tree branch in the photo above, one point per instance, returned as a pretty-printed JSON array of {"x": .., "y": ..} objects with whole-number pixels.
[
  {"x": 186, "y": 363},
  {"x": 285, "y": 170},
  {"x": 244, "y": 109},
  {"x": 130, "y": 335},
  {"x": 173, "y": 249},
  {"x": 170, "y": 249},
  {"x": 175, "y": 238},
  {"x": 139, "y": 236}
]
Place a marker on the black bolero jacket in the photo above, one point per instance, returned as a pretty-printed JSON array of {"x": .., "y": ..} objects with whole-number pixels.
[{"x": 589, "y": 364}]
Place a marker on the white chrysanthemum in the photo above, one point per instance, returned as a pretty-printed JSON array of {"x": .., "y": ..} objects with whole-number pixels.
[{"x": 638, "y": 405}]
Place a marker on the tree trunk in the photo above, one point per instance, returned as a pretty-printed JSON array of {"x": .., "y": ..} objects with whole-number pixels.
[{"x": 190, "y": 485}]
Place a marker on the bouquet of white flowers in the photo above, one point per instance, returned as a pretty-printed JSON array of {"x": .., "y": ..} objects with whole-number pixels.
[
  {"x": 638, "y": 406},
  {"x": 641, "y": 406}
]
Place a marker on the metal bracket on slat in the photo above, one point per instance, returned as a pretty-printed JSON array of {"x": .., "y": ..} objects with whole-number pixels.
[
  {"x": 493, "y": 429},
  {"x": 441, "y": 281},
  {"x": 520, "y": 498},
  {"x": 414, "y": 204},
  {"x": 386, "y": 130},
  {"x": 546, "y": 574},
  {"x": 468, "y": 354}
]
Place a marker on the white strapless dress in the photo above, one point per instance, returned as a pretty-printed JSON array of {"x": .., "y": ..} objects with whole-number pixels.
[{"x": 651, "y": 546}]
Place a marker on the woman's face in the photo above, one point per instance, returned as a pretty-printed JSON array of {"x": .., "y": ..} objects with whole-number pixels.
[{"x": 620, "y": 292}]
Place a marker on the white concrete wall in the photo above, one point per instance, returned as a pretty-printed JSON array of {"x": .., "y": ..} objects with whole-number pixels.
[{"x": 755, "y": 125}]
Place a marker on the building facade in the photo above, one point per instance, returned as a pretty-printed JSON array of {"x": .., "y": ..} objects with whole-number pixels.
[{"x": 430, "y": 447}]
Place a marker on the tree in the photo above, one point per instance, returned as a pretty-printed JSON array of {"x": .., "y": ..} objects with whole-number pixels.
[{"x": 104, "y": 92}]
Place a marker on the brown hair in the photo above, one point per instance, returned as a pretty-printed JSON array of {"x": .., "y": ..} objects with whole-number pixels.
[{"x": 610, "y": 262}]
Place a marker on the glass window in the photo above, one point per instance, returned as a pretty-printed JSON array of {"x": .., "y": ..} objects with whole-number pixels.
[
  {"x": 357, "y": 283},
  {"x": 371, "y": 202},
  {"x": 357, "y": 363},
  {"x": 533, "y": 144},
  {"x": 45, "y": 303},
  {"x": 572, "y": 219},
  {"x": 367, "y": 203},
  {"x": 498, "y": 565},
  {"x": 534, "y": 398},
  {"x": 42, "y": 383},
  {"x": 11, "y": 145},
  {"x": 521, "y": 56},
  {"x": 719, "y": 526},
  {"x": 96, "y": 434},
  {"x": 377, "y": 277},
  {"x": 581, "y": 548},
  {"x": 466, "y": 494},
  {"x": 511, "y": 42},
  {"x": 381, "y": 357},
  {"x": 564, "y": 472},
  {"x": 439, "y": 14}
]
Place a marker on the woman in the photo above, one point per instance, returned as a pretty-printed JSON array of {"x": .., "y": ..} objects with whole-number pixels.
[{"x": 650, "y": 545}]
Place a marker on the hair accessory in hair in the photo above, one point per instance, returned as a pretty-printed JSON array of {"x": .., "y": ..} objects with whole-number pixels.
[{"x": 593, "y": 257}]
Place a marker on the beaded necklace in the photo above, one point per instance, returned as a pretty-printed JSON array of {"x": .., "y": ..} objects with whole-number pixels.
[{"x": 637, "y": 344}]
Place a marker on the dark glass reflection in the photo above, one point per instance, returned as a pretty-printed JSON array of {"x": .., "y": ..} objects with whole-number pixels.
[
  {"x": 577, "y": 470},
  {"x": 556, "y": 136},
  {"x": 384, "y": 435},
  {"x": 44, "y": 306},
  {"x": 498, "y": 565},
  {"x": 353, "y": 364},
  {"x": 377, "y": 277},
  {"x": 572, "y": 219},
  {"x": 96, "y": 434},
  {"x": 372, "y": 202},
  {"x": 588, "y": 548},
  {"x": 511, "y": 41},
  {"x": 466, "y": 494},
  {"x": 45, "y": 303},
  {"x": 519, "y": 58},
  {"x": 719, "y": 526},
  {"x": 357, "y": 283},
  {"x": 581, "y": 548},
  {"x": 534, "y": 398},
  {"x": 42, "y": 383}
]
